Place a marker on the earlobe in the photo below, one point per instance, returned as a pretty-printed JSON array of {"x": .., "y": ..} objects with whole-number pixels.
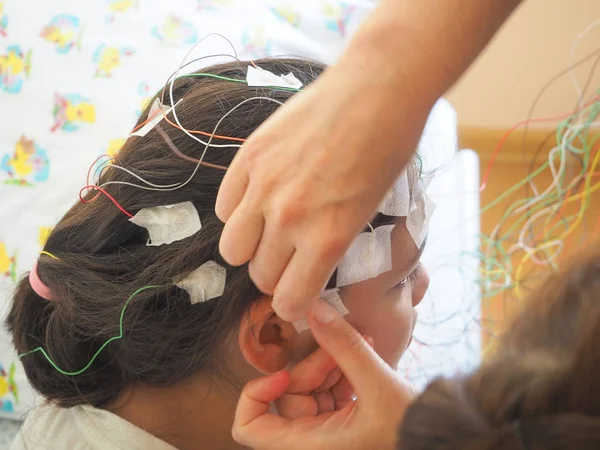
[{"x": 265, "y": 340}]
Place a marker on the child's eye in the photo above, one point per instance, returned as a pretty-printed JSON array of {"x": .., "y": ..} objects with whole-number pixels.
[{"x": 410, "y": 278}]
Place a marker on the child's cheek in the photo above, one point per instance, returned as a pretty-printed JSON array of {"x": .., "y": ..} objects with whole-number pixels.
[{"x": 389, "y": 327}]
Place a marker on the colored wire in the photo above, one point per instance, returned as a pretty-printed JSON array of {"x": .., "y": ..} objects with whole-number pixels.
[
  {"x": 517, "y": 125},
  {"x": 102, "y": 347},
  {"x": 44, "y": 252},
  {"x": 151, "y": 187},
  {"x": 175, "y": 150},
  {"x": 110, "y": 197}
]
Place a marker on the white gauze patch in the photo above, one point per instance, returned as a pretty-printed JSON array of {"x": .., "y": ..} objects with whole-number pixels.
[
  {"x": 397, "y": 201},
  {"x": 205, "y": 283},
  {"x": 169, "y": 223},
  {"x": 157, "y": 116},
  {"x": 417, "y": 221},
  {"x": 368, "y": 256},
  {"x": 331, "y": 296},
  {"x": 260, "y": 77}
]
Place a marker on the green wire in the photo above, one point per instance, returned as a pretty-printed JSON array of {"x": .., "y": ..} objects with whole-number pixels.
[
  {"x": 538, "y": 170},
  {"x": 495, "y": 247},
  {"x": 112, "y": 339}
]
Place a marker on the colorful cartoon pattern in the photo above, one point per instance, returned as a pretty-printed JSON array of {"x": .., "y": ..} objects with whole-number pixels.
[
  {"x": 64, "y": 32},
  {"x": 114, "y": 146},
  {"x": 3, "y": 21},
  {"x": 145, "y": 95},
  {"x": 70, "y": 110},
  {"x": 119, "y": 6},
  {"x": 337, "y": 16},
  {"x": 27, "y": 165},
  {"x": 109, "y": 58},
  {"x": 286, "y": 12},
  {"x": 256, "y": 42},
  {"x": 8, "y": 263},
  {"x": 176, "y": 31},
  {"x": 43, "y": 235},
  {"x": 9, "y": 391},
  {"x": 214, "y": 5},
  {"x": 15, "y": 65}
]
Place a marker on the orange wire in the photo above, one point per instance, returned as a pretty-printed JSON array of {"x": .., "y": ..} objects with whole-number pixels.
[
  {"x": 517, "y": 125},
  {"x": 203, "y": 133},
  {"x": 563, "y": 207},
  {"x": 110, "y": 197},
  {"x": 150, "y": 117}
]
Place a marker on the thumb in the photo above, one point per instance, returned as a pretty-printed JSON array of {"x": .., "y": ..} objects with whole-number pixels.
[{"x": 363, "y": 368}]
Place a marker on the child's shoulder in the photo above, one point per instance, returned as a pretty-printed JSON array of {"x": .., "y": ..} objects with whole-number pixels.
[
  {"x": 47, "y": 426},
  {"x": 82, "y": 428}
]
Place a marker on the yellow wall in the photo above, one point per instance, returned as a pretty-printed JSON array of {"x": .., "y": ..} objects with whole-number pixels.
[{"x": 534, "y": 45}]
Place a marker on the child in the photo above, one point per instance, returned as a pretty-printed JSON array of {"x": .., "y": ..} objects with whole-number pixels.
[
  {"x": 538, "y": 391},
  {"x": 139, "y": 352}
]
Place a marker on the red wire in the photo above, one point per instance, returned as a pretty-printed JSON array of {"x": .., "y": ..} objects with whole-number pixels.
[
  {"x": 111, "y": 198},
  {"x": 517, "y": 125},
  {"x": 87, "y": 179}
]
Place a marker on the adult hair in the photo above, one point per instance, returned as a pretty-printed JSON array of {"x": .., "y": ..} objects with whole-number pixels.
[{"x": 537, "y": 391}]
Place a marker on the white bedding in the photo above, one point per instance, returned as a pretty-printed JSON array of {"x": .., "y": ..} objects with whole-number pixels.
[{"x": 74, "y": 76}]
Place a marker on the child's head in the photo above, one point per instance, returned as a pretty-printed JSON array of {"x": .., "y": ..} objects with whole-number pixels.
[
  {"x": 103, "y": 258},
  {"x": 540, "y": 386}
]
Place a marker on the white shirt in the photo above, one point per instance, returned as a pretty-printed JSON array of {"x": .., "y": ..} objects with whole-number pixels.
[{"x": 48, "y": 427}]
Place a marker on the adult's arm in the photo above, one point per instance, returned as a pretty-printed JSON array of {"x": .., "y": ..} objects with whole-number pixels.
[{"x": 306, "y": 182}]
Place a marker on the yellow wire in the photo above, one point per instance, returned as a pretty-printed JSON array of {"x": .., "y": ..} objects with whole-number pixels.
[
  {"x": 590, "y": 174},
  {"x": 44, "y": 252},
  {"x": 586, "y": 193}
]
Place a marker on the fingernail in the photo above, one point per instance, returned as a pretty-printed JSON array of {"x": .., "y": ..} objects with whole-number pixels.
[{"x": 323, "y": 312}]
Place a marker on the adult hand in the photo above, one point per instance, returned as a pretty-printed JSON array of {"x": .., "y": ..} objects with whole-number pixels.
[
  {"x": 307, "y": 181},
  {"x": 369, "y": 422},
  {"x": 316, "y": 385}
]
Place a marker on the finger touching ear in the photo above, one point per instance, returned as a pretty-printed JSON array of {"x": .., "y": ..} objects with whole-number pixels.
[{"x": 266, "y": 341}]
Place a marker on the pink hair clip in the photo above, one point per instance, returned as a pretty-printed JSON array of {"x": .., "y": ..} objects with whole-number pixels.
[{"x": 38, "y": 285}]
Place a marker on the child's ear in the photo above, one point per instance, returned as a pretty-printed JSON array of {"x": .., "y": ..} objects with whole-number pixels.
[{"x": 265, "y": 340}]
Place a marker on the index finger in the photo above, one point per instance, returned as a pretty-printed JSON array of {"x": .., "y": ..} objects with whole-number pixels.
[
  {"x": 362, "y": 366},
  {"x": 233, "y": 187},
  {"x": 301, "y": 283},
  {"x": 310, "y": 373}
]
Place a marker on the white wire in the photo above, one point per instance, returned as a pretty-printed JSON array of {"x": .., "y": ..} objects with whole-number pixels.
[
  {"x": 556, "y": 175},
  {"x": 167, "y": 188},
  {"x": 550, "y": 209},
  {"x": 574, "y": 45},
  {"x": 172, "y": 83},
  {"x": 495, "y": 232}
]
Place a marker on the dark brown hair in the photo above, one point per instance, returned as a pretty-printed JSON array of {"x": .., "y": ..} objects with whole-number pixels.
[
  {"x": 104, "y": 258},
  {"x": 540, "y": 388}
]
